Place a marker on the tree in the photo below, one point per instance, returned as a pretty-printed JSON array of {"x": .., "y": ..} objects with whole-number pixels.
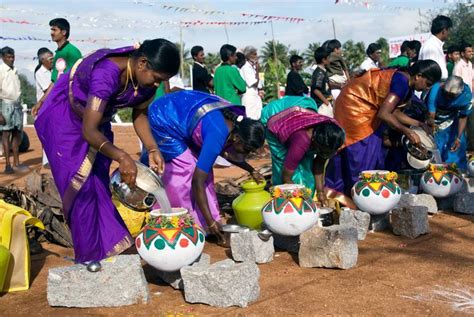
[
  {"x": 275, "y": 72},
  {"x": 28, "y": 91},
  {"x": 462, "y": 15},
  {"x": 267, "y": 53},
  {"x": 354, "y": 54},
  {"x": 385, "y": 58},
  {"x": 211, "y": 61},
  {"x": 308, "y": 53},
  {"x": 187, "y": 61},
  {"x": 293, "y": 52}
]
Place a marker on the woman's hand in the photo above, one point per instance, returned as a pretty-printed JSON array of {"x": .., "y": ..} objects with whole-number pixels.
[
  {"x": 456, "y": 145},
  {"x": 128, "y": 170},
  {"x": 215, "y": 228},
  {"x": 322, "y": 198},
  {"x": 35, "y": 109},
  {"x": 413, "y": 137},
  {"x": 259, "y": 178},
  {"x": 156, "y": 161},
  {"x": 427, "y": 128}
]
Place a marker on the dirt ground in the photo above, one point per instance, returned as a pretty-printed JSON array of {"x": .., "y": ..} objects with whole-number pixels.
[{"x": 394, "y": 275}]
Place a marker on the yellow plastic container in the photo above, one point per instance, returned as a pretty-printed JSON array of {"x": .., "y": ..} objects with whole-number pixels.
[{"x": 248, "y": 206}]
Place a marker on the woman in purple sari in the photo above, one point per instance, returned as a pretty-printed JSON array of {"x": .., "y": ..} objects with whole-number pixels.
[{"x": 74, "y": 127}]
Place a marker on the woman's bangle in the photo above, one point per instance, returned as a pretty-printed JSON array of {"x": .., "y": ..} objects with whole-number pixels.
[
  {"x": 102, "y": 145},
  {"x": 213, "y": 224},
  {"x": 152, "y": 150}
]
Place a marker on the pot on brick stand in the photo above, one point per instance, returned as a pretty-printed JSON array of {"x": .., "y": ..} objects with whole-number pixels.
[
  {"x": 441, "y": 180},
  {"x": 470, "y": 166},
  {"x": 376, "y": 192},
  {"x": 170, "y": 240},
  {"x": 248, "y": 206},
  {"x": 291, "y": 211}
]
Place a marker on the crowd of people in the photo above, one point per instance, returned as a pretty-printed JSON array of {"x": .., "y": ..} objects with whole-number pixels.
[{"x": 321, "y": 135}]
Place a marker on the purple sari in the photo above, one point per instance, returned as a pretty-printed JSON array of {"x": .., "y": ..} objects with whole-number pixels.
[{"x": 80, "y": 173}]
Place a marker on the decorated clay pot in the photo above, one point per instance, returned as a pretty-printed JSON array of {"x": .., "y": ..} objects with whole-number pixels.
[
  {"x": 441, "y": 180},
  {"x": 470, "y": 166},
  {"x": 170, "y": 241},
  {"x": 376, "y": 192},
  {"x": 248, "y": 206},
  {"x": 291, "y": 210}
]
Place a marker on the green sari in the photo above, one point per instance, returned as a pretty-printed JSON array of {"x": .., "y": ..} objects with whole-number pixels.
[{"x": 304, "y": 172}]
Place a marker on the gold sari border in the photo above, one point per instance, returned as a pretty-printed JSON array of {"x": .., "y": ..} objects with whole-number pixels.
[{"x": 121, "y": 246}]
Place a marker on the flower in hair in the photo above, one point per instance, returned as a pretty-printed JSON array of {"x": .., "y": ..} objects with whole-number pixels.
[{"x": 239, "y": 118}]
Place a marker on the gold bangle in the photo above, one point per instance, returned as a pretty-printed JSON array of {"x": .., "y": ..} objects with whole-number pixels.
[
  {"x": 102, "y": 145},
  {"x": 152, "y": 150},
  {"x": 213, "y": 224}
]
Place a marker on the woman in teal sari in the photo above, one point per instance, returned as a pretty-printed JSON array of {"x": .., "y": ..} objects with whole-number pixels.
[{"x": 301, "y": 141}]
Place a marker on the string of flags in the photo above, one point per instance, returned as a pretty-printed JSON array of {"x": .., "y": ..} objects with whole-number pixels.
[{"x": 88, "y": 40}]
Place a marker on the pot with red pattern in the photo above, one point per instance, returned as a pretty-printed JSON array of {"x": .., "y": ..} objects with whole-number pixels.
[
  {"x": 170, "y": 240},
  {"x": 291, "y": 210},
  {"x": 376, "y": 192},
  {"x": 470, "y": 166},
  {"x": 441, "y": 180}
]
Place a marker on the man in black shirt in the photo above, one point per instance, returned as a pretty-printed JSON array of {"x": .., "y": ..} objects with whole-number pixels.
[
  {"x": 202, "y": 80},
  {"x": 295, "y": 85},
  {"x": 320, "y": 91}
]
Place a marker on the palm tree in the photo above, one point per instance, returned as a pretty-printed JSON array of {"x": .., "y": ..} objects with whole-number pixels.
[
  {"x": 384, "y": 59},
  {"x": 211, "y": 61},
  {"x": 354, "y": 54},
  {"x": 293, "y": 52},
  {"x": 268, "y": 52},
  {"x": 308, "y": 53}
]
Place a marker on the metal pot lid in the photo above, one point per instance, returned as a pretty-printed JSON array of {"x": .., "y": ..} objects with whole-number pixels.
[{"x": 417, "y": 163}]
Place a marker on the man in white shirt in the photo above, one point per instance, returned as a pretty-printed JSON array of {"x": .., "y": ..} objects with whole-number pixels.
[
  {"x": 11, "y": 109},
  {"x": 249, "y": 72},
  {"x": 433, "y": 47},
  {"x": 374, "y": 52},
  {"x": 43, "y": 78},
  {"x": 463, "y": 68}
]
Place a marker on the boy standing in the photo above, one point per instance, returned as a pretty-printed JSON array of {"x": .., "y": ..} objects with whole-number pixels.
[
  {"x": 295, "y": 85},
  {"x": 337, "y": 69},
  {"x": 320, "y": 91},
  {"x": 228, "y": 83}
]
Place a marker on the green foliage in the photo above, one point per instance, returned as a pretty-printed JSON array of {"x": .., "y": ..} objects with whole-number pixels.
[
  {"x": 275, "y": 72},
  {"x": 385, "y": 58},
  {"x": 354, "y": 54},
  {"x": 28, "y": 91},
  {"x": 308, "y": 53},
  {"x": 211, "y": 61},
  {"x": 125, "y": 114},
  {"x": 267, "y": 53},
  {"x": 187, "y": 62}
]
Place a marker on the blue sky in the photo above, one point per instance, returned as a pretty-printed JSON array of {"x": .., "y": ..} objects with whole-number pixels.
[{"x": 129, "y": 21}]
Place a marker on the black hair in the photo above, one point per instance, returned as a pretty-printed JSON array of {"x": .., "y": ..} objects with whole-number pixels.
[
  {"x": 415, "y": 46},
  {"x": 453, "y": 48},
  {"x": 427, "y": 68},
  {"x": 195, "y": 50},
  {"x": 162, "y": 55},
  {"x": 405, "y": 46},
  {"x": 372, "y": 48},
  {"x": 321, "y": 53},
  {"x": 328, "y": 138},
  {"x": 240, "y": 60},
  {"x": 7, "y": 51},
  {"x": 332, "y": 44},
  {"x": 463, "y": 47},
  {"x": 251, "y": 132},
  {"x": 41, "y": 51},
  {"x": 440, "y": 23},
  {"x": 226, "y": 51},
  {"x": 294, "y": 59},
  {"x": 62, "y": 24}
]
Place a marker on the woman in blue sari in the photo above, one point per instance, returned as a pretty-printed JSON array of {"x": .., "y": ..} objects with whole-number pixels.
[
  {"x": 192, "y": 129},
  {"x": 449, "y": 105}
]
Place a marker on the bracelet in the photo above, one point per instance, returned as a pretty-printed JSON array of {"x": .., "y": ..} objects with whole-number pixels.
[
  {"x": 152, "y": 150},
  {"x": 102, "y": 145},
  {"x": 213, "y": 224}
]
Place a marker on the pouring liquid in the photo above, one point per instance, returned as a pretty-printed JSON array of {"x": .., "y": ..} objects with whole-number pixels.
[{"x": 162, "y": 199}]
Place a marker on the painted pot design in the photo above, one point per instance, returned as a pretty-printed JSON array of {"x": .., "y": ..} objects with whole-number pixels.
[
  {"x": 376, "y": 192},
  {"x": 291, "y": 210},
  {"x": 441, "y": 180},
  {"x": 470, "y": 166},
  {"x": 170, "y": 241},
  {"x": 248, "y": 206}
]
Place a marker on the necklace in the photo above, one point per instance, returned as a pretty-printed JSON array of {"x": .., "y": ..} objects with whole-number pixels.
[{"x": 129, "y": 75}]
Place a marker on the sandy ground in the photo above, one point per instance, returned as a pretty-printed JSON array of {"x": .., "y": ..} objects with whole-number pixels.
[{"x": 391, "y": 273}]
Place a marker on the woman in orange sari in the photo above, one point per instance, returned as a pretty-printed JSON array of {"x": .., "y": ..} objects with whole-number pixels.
[{"x": 362, "y": 109}]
